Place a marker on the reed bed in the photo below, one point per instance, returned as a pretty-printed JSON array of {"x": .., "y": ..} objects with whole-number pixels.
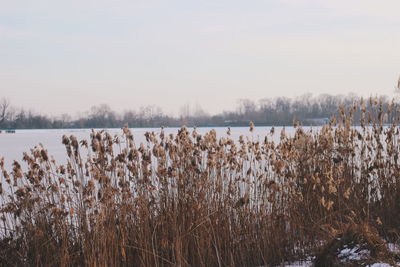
[{"x": 190, "y": 200}]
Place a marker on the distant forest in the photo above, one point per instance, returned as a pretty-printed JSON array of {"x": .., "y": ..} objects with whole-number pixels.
[{"x": 280, "y": 111}]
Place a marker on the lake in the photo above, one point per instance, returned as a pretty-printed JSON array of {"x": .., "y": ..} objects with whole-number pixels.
[{"x": 12, "y": 146}]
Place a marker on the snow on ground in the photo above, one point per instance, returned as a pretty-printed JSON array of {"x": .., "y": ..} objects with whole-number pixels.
[
  {"x": 309, "y": 264},
  {"x": 348, "y": 254},
  {"x": 380, "y": 265},
  {"x": 353, "y": 254},
  {"x": 299, "y": 264},
  {"x": 394, "y": 248}
]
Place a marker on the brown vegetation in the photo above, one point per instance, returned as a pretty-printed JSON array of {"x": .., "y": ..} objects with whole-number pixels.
[
  {"x": 358, "y": 245},
  {"x": 191, "y": 200}
]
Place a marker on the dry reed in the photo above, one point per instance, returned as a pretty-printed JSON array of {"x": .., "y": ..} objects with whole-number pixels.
[{"x": 192, "y": 200}]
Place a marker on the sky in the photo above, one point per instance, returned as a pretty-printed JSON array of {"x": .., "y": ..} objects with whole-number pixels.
[{"x": 65, "y": 56}]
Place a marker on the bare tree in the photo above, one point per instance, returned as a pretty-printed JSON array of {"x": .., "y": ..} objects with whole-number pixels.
[
  {"x": 198, "y": 111},
  {"x": 4, "y": 107},
  {"x": 246, "y": 106},
  {"x": 185, "y": 111}
]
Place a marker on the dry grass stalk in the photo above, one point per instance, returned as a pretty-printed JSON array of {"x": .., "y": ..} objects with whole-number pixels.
[{"x": 192, "y": 200}]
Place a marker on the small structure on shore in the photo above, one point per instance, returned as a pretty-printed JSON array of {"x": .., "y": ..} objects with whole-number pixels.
[
  {"x": 317, "y": 121},
  {"x": 7, "y": 130}
]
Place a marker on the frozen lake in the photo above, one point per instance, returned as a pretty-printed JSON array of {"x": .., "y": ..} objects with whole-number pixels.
[{"x": 13, "y": 145}]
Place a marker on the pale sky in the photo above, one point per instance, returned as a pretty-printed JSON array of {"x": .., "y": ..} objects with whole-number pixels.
[{"x": 63, "y": 56}]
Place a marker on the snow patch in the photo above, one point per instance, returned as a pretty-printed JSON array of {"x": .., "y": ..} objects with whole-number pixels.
[
  {"x": 394, "y": 248},
  {"x": 380, "y": 264},
  {"x": 300, "y": 264},
  {"x": 353, "y": 254}
]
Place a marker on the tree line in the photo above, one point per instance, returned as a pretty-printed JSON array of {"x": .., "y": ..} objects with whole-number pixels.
[{"x": 306, "y": 109}]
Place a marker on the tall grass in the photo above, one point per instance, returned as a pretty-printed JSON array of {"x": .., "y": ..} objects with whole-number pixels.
[{"x": 192, "y": 200}]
